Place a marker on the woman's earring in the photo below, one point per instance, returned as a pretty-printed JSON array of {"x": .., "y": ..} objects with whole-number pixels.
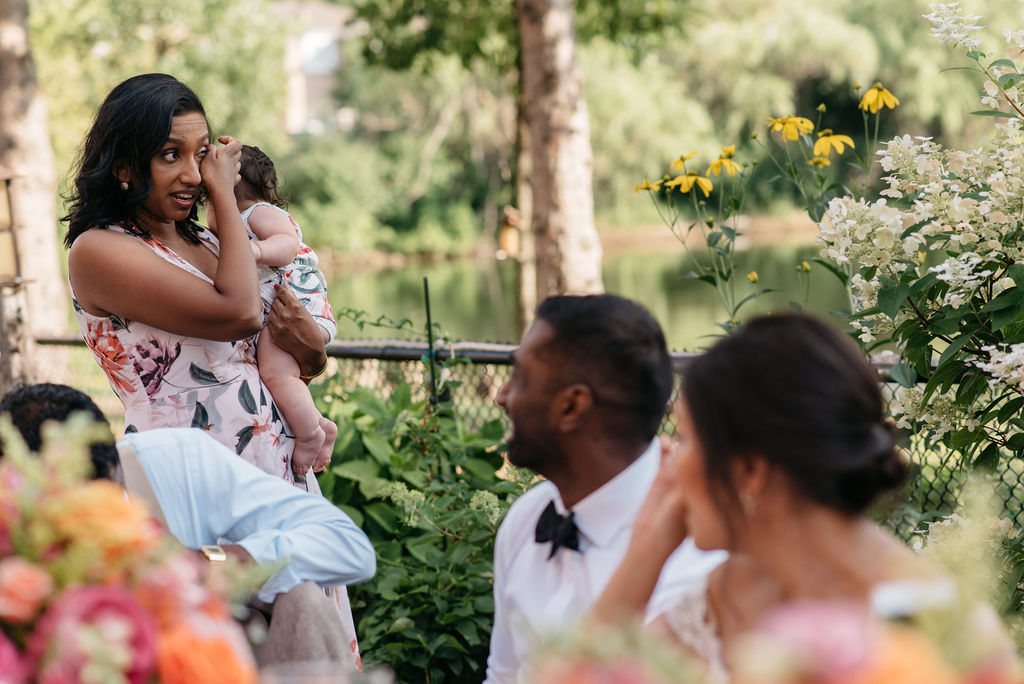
[
  {"x": 124, "y": 185},
  {"x": 749, "y": 504}
]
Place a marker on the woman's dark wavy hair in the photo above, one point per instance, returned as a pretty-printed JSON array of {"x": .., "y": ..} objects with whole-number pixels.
[
  {"x": 792, "y": 390},
  {"x": 130, "y": 128}
]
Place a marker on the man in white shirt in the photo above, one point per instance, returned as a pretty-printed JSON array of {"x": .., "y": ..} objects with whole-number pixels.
[
  {"x": 591, "y": 380},
  {"x": 208, "y": 497}
]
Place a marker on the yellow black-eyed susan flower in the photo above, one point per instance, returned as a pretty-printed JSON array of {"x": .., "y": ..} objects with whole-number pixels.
[{"x": 878, "y": 97}]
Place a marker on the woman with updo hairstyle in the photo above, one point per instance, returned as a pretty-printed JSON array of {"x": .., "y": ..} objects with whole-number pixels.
[{"x": 783, "y": 445}]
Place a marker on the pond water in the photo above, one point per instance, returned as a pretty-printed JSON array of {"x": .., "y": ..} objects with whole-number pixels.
[{"x": 476, "y": 300}]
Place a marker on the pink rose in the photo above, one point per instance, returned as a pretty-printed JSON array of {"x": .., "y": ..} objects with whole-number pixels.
[
  {"x": 95, "y": 626},
  {"x": 23, "y": 588},
  {"x": 829, "y": 638},
  {"x": 12, "y": 665}
]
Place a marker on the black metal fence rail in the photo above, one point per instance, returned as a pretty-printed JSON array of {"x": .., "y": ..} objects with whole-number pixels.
[{"x": 933, "y": 490}]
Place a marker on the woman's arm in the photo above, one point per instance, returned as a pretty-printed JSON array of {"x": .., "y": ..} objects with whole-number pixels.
[
  {"x": 113, "y": 273},
  {"x": 278, "y": 239},
  {"x": 659, "y": 529},
  {"x": 296, "y": 331}
]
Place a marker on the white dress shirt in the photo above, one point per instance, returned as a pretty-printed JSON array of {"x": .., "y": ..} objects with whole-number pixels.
[
  {"x": 534, "y": 596},
  {"x": 209, "y": 496}
]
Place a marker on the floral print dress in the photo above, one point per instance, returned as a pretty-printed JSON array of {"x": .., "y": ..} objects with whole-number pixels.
[{"x": 168, "y": 380}]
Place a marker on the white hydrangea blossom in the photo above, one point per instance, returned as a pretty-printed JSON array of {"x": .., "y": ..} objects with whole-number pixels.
[
  {"x": 940, "y": 414},
  {"x": 952, "y": 27},
  {"x": 953, "y": 215},
  {"x": 1004, "y": 365},
  {"x": 962, "y": 275}
]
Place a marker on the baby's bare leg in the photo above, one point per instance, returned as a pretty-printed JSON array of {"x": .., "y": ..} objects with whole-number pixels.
[{"x": 280, "y": 373}]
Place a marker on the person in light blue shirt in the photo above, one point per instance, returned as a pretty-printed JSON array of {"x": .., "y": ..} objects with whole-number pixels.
[{"x": 205, "y": 496}]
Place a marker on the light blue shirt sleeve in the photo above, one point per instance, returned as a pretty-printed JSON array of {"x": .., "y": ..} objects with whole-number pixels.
[{"x": 210, "y": 495}]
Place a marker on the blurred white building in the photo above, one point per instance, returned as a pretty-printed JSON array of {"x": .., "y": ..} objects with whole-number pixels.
[{"x": 313, "y": 58}]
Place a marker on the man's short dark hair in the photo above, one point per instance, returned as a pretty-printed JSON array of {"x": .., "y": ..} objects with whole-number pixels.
[
  {"x": 616, "y": 347},
  {"x": 32, "y": 405}
]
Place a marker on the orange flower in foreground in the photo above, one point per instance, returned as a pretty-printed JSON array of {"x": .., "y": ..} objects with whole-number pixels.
[
  {"x": 23, "y": 588},
  {"x": 907, "y": 657},
  {"x": 96, "y": 516},
  {"x": 202, "y": 651}
]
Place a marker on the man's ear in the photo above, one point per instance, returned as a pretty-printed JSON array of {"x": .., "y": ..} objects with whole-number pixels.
[{"x": 571, "y": 406}]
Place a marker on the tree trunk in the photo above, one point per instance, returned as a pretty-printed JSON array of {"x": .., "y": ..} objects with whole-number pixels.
[
  {"x": 26, "y": 150},
  {"x": 567, "y": 247}
]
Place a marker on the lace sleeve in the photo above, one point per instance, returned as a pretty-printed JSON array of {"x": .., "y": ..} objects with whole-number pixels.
[{"x": 693, "y": 625}]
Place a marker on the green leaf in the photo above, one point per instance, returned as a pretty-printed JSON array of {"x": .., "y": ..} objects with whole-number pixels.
[
  {"x": 1016, "y": 273},
  {"x": 943, "y": 376},
  {"x": 246, "y": 399},
  {"x": 383, "y": 515},
  {"x": 355, "y": 514},
  {"x": 1008, "y": 80},
  {"x": 988, "y": 459},
  {"x": 479, "y": 468},
  {"x": 1010, "y": 409},
  {"x": 703, "y": 277},
  {"x": 1002, "y": 63},
  {"x": 202, "y": 376},
  {"x": 243, "y": 437},
  {"x": 892, "y": 297},
  {"x": 200, "y": 418},
  {"x": 994, "y": 112},
  {"x": 955, "y": 346},
  {"x": 378, "y": 446},
  {"x": 903, "y": 373},
  {"x": 1005, "y": 299}
]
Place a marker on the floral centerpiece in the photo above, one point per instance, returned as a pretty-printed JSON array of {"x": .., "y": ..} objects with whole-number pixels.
[{"x": 91, "y": 589}]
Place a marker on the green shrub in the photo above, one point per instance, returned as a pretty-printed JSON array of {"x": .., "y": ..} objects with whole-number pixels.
[{"x": 430, "y": 498}]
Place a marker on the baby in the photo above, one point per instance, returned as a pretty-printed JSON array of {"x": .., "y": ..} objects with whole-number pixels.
[{"x": 283, "y": 260}]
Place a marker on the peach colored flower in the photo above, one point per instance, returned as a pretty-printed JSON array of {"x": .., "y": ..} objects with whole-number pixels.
[
  {"x": 96, "y": 516},
  {"x": 907, "y": 657},
  {"x": 106, "y": 347},
  {"x": 24, "y": 587},
  {"x": 171, "y": 589}
]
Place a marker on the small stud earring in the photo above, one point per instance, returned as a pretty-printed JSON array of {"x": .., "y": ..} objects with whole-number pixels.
[
  {"x": 749, "y": 504},
  {"x": 124, "y": 185}
]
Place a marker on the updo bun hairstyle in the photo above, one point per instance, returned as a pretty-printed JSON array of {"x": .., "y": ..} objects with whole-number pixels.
[{"x": 790, "y": 389}]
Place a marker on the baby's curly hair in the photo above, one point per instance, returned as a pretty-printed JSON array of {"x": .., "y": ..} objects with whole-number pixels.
[{"x": 259, "y": 176}]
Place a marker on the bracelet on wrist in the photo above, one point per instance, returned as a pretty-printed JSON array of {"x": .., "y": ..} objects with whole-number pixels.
[{"x": 323, "y": 367}]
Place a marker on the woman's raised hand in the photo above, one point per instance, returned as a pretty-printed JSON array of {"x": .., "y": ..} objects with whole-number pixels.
[
  {"x": 221, "y": 165},
  {"x": 296, "y": 331},
  {"x": 663, "y": 513}
]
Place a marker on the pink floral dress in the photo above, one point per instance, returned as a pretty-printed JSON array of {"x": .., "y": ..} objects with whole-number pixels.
[{"x": 168, "y": 380}]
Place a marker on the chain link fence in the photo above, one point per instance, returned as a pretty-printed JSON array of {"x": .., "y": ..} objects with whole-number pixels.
[{"x": 932, "y": 490}]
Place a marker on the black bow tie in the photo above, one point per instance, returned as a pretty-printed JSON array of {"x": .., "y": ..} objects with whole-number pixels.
[{"x": 560, "y": 530}]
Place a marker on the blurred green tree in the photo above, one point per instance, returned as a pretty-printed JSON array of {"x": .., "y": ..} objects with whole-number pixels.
[
  {"x": 230, "y": 51},
  {"x": 553, "y": 158}
]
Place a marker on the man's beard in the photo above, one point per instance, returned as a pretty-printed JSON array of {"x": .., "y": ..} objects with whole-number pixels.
[{"x": 535, "y": 450}]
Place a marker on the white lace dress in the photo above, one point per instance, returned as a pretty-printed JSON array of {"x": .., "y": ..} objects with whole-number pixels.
[{"x": 693, "y": 624}]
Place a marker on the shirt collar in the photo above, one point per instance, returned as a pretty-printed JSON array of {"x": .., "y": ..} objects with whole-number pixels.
[{"x": 604, "y": 512}]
